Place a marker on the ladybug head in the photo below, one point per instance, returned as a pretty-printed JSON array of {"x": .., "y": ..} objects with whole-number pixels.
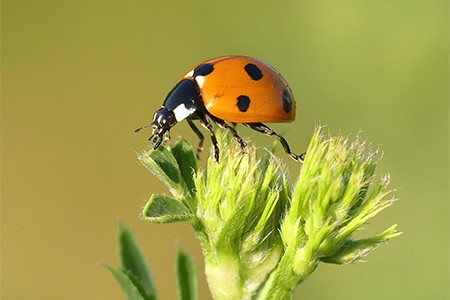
[{"x": 163, "y": 120}]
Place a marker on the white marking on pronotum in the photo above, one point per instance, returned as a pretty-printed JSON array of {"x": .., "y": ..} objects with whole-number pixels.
[
  {"x": 200, "y": 80},
  {"x": 189, "y": 74},
  {"x": 181, "y": 112}
]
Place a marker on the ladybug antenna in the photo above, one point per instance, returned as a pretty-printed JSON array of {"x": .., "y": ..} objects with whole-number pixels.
[{"x": 143, "y": 127}]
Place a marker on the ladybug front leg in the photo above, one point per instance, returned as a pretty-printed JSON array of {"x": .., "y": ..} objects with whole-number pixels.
[
  {"x": 205, "y": 123},
  {"x": 200, "y": 136},
  {"x": 221, "y": 123},
  {"x": 260, "y": 127}
]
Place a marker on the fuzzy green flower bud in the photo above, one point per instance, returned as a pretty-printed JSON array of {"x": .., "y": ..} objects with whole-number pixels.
[{"x": 260, "y": 235}]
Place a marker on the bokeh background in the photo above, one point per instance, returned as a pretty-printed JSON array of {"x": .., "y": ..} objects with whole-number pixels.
[{"x": 79, "y": 76}]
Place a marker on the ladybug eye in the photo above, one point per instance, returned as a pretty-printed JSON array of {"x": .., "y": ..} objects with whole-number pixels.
[
  {"x": 157, "y": 115},
  {"x": 164, "y": 118},
  {"x": 170, "y": 119}
]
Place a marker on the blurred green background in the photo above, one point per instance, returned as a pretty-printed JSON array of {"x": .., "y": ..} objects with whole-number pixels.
[{"x": 79, "y": 76}]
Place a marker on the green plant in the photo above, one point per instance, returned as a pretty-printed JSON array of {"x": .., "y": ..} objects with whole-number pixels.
[{"x": 260, "y": 234}]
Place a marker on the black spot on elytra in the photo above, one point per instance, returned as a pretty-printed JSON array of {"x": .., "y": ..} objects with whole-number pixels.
[
  {"x": 253, "y": 71},
  {"x": 203, "y": 70},
  {"x": 243, "y": 102},
  {"x": 287, "y": 101}
]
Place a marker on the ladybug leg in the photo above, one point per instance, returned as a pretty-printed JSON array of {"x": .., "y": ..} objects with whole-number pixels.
[
  {"x": 260, "y": 127},
  {"x": 205, "y": 123},
  {"x": 157, "y": 138},
  {"x": 222, "y": 124},
  {"x": 200, "y": 136}
]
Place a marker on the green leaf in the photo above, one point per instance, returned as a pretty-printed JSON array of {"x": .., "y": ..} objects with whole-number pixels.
[
  {"x": 186, "y": 276},
  {"x": 162, "y": 163},
  {"x": 165, "y": 209},
  {"x": 187, "y": 162},
  {"x": 131, "y": 290},
  {"x": 133, "y": 262},
  {"x": 354, "y": 250}
]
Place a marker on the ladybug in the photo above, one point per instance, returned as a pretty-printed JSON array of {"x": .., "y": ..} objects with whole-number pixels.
[{"x": 229, "y": 89}]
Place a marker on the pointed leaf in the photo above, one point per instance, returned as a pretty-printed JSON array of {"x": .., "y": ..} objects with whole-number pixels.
[
  {"x": 162, "y": 163},
  {"x": 354, "y": 250},
  {"x": 165, "y": 209},
  {"x": 133, "y": 261},
  {"x": 128, "y": 286},
  {"x": 187, "y": 162},
  {"x": 186, "y": 276}
]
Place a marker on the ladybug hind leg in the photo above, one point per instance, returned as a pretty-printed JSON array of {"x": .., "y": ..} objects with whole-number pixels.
[{"x": 262, "y": 128}]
